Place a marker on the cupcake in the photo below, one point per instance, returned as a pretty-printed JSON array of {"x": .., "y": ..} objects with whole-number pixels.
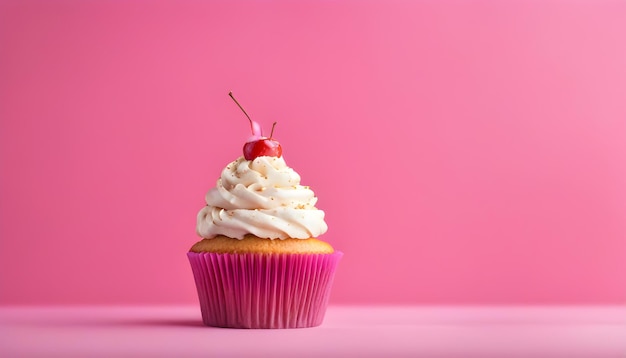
[{"x": 260, "y": 262}]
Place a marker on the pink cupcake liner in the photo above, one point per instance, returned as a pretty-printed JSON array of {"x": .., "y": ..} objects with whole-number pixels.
[{"x": 263, "y": 290}]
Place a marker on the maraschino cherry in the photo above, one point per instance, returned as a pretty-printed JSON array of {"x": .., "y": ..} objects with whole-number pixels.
[{"x": 257, "y": 145}]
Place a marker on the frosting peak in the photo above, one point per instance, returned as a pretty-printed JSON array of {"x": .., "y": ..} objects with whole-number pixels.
[{"x": 262, "y": 197}]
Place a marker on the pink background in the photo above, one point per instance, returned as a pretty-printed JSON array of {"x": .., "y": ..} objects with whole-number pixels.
[{"x": 464, "y": 151}]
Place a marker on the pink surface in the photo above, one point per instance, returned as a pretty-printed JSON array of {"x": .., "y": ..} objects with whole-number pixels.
[
  {"x": 464, "y": 151},
  {"x": 420, "y": 331},
  {"x": 263, "y": 291}
]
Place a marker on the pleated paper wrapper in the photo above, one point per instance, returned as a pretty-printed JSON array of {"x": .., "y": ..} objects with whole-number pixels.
[{"x": 263, "y": 290}]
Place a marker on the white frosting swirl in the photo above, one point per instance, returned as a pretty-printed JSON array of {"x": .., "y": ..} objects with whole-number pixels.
[{"x": 262, "y": 197}]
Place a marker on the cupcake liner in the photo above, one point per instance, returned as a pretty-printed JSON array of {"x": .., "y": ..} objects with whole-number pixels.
[{"x": 263, "y": 290}]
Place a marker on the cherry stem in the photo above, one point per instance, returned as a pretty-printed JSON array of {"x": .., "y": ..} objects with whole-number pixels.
[
  {"x": 272, "y": 132},
  {"x": 243, "y": 110}
]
